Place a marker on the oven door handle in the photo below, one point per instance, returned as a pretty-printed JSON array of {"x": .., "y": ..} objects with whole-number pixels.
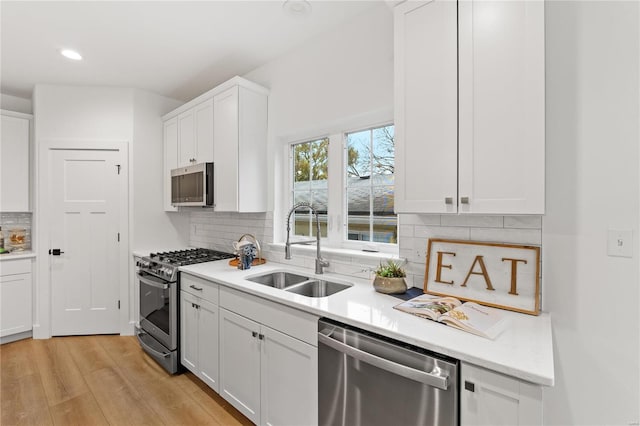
[
  {"x": 152, "y": 283},
  {"x": 431, "y": 379},
  {"x": 139, "y": 333}
]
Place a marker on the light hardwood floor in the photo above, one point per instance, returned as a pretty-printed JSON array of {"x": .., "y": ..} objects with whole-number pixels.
[{"x": 101, "y": 380}]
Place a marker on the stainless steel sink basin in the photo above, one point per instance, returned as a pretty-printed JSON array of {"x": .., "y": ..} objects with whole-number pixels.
[
  {"x": 317, "y": 288},
  {"x": 278, "y": 279}
]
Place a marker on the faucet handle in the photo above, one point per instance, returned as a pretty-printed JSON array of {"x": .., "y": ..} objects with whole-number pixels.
[{"x": 321, "y": 263}]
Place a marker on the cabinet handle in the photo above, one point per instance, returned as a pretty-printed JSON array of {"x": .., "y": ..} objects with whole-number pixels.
[
  {"x": 471, "y": 387},
  {"x": 261, "y": 336},
  {"x": 195, "y": 288},
  {"x": 464, "y": 200},
  {"x": 254, "y": 333},
  {"x": 448, "y": 200}
]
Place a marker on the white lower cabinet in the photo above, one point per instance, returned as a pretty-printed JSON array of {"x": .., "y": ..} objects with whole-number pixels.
[
  {"x": 268, "y": 375},
  {"x": 15, "y": 297},
  {"x": 490, "y": 398},
  {"x": 199, "y": 329}
]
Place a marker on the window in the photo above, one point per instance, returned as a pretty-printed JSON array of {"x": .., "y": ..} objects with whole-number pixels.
[{"x": 349, "y": 179}]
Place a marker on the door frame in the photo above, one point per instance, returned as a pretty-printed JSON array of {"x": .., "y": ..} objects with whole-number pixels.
[{"x": 42, "y": 300}]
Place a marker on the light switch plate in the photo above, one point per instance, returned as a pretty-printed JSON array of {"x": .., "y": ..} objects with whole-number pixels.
[{"x": 620, "y": 242}]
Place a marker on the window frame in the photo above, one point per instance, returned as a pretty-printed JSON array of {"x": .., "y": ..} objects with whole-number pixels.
[{"x": 337, "y": 206}]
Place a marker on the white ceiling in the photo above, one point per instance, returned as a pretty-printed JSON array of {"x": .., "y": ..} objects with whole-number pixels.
[{"x": 175, "y": 48}]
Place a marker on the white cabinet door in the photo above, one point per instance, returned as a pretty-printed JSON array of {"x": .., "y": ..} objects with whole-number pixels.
[
  {"x": 426, "y": 106},
  {"x": 186, "y": 138},
  {"x": 225, "y": 150},
  {"x": 289, "y": 380},
  {"x": 240, "y": 363},
  {"x": 15, "y": 304},
  {"x": 204, "y": 132},
  {"x": 208, "y": 344},
  {"x": 489, "y": 398},
  {"x": 170, "y": 159},
  {"x": 14, "y": 164},
  {"x": 501, "y": 87},
  {"x": 189, "y": 329}
]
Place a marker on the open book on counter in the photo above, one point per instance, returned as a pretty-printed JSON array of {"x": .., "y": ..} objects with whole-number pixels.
[{"x": 469, "y": 316}]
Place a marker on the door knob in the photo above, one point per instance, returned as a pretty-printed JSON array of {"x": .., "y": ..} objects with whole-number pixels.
[{"x": 55, "y": 252}]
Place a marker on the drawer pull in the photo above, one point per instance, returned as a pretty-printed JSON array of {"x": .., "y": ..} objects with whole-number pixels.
[{"x": 195, "y": 288}]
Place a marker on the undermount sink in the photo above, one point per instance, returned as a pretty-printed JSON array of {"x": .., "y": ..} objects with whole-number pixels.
[
  {"x": 278, "y": 279},
  {"x": 317, "y": 288},
  {"x": 299, "y": 284}
]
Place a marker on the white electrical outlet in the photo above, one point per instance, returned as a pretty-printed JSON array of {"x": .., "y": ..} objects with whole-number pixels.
[{"x": 620, "y": 242}]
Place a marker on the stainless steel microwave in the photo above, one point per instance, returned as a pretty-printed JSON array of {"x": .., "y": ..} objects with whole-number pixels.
[{"x": 192, "y": 185}]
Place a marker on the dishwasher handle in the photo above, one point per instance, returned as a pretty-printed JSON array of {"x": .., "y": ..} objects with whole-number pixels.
[{"x": 431, "y": 379}]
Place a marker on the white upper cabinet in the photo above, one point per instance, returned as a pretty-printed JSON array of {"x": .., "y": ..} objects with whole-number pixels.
[
  {"x": 195, "y": 134},
  {"x": 240, "y": 150},
  {"x": 469, "y": 107},
  {"x": 226, "y": 126},
  {"x": 170, "y": 159},
  {"x": 14, "y": 162}
]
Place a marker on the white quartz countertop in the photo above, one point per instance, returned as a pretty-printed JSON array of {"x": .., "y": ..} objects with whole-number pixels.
[
  {"x": 524, "y": 350},
  {"x": 17, "y": 255}
]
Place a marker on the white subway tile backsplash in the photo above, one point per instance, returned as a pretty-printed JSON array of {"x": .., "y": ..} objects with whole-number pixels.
[
  {"x": 219, "y": 230},
  {"x": 420, "y": 219},
  {"x": 472, "y": 221},
  {"x": 523, "y": 222},
  {"x": 512, "y": 235},
  {"x": 451, "y": 232}
]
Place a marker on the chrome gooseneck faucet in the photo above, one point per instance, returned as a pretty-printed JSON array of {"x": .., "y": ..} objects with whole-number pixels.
[{"x": 320, "y": 262}]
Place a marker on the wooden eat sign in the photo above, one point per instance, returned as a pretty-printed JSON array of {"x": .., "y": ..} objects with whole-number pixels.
[{"x": 505, "y": 276}]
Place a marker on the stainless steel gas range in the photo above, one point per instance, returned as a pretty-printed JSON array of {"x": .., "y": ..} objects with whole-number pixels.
[{"x": 158, "y": 278}]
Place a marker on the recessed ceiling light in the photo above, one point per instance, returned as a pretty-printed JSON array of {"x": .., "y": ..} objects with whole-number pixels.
[
  {"x": 297, "y": 8},
  {"x": 71, "y": 54}
]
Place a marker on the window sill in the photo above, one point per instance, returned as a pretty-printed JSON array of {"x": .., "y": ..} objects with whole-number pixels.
[{"x": 333, "y": 252}]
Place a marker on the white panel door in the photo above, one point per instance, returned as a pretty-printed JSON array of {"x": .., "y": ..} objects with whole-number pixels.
[
  {"x": 225, "y": 150},
  {"x": 501, "y": 166},
  {"x": 84, "y": 198},
  {"x": 208, "y": 344},
  {"x": 15, "y": 304},
  {"x": 189, "y": 331},
  {"x": 204, "y": 131},
  {"x": 289, "y": 380},
  {"x": 426, "y": 107},
  {"x": 240, "y": 363},
  {"x": 14, "y": 164}
]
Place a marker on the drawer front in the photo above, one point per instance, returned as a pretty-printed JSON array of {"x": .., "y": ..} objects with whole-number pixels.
[
  {"x": 204, "y": 289},
  {"x": 295, "y": 323},
  {"x": 14, "y": 267}
]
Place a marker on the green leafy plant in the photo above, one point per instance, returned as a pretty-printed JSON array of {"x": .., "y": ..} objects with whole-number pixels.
[{"x": 391, "y": 269}]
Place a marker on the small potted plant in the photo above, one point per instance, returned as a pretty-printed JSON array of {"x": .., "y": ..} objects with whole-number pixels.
[{"x": 390, "y": 278}]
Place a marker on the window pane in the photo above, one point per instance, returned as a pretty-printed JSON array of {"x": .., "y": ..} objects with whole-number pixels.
[
  {"x": 385, "y": 222},
  {"x": 383, "y": 150},
  {"x": 358, "y": 153},
  {"x": 358, "y": 220},
  {"x": 310, "y": 185}
]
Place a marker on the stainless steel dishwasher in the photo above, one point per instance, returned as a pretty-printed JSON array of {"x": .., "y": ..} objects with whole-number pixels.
[{"x": 365, "y": 379}]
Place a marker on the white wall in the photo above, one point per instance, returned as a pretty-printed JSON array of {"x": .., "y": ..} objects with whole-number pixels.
[
  {"x": 92, "y": 115},
  {"x": 14, "y": 103},
  {"x": 152, "y": 226},
  {"x": 592, "y": 56},
  {"x": 326, "y": 84}
]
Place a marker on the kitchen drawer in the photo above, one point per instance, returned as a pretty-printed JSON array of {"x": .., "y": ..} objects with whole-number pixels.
[
  {"x": 295, "y": 323},
  {"x": 14, "y": 267},
  {"x": 207, "y": 290}
]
